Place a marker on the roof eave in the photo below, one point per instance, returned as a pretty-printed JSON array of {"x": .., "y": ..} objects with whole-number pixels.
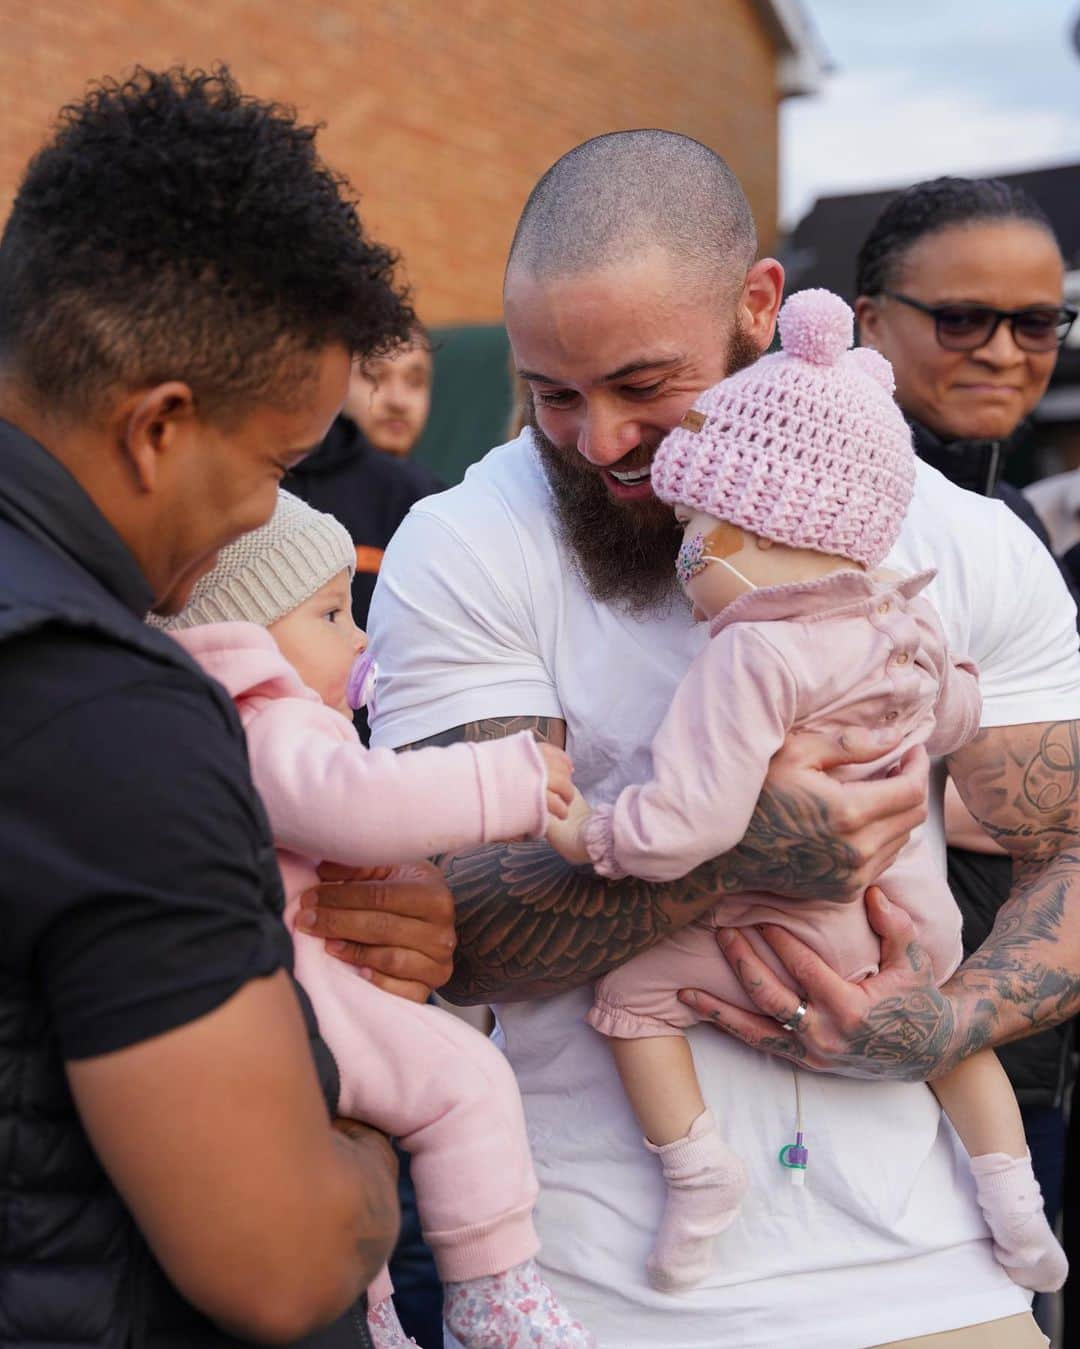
[{"x": 803, "y": 62}]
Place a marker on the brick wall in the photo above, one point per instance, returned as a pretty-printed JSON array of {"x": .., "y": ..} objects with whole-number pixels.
[{"x": 443, "y": 112}]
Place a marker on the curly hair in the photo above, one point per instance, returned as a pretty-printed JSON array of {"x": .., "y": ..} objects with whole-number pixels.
[
  {"x": 175, "y": 228},
  {"x": 929, "y": 207}
]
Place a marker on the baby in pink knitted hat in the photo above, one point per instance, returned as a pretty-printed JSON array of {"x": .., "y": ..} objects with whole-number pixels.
[{"x": 791, "y": 480}]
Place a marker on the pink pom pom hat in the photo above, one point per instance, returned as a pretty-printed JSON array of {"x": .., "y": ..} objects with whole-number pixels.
[{"x": 805, "y": 447}]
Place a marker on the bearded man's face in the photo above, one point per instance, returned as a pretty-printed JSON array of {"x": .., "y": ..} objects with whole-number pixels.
[{"x": 613, "y": 360}]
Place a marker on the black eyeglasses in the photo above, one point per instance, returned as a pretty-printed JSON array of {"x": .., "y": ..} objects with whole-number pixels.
[{"x": 966, "y": 327}]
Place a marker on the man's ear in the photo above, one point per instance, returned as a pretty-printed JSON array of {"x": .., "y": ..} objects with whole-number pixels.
[
  {"x": 759, "y": 304},
  {"x": 151, "y": 423}
]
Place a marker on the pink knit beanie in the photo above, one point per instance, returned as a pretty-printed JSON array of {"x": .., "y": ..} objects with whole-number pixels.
[{"x": 805, "y": 447}]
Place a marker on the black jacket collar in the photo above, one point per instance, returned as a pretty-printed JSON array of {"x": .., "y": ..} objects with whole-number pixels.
[
  {"x": 973, "y": 464},
  {"x": 41, "y": 498}
]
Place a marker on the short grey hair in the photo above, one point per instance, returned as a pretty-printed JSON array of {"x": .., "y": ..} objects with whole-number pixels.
[{"x": 618, "y": 193}]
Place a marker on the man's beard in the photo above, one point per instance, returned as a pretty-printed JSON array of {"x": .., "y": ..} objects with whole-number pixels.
[{"x": 625, "y": 553}]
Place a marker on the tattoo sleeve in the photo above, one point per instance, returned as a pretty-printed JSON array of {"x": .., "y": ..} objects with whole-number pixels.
[
  {"x": 531, "y": 923},
  {"x": 1022, "y": 783}
]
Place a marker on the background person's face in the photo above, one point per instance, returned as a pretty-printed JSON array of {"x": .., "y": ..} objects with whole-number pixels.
[
  {"x": 390, "y": 398},
  {"x": 981, "y": 394},
  {"x": 225, "y": 483}
]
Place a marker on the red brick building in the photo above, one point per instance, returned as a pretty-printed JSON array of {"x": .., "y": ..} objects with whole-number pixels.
[{"x": 443, "y": 115}]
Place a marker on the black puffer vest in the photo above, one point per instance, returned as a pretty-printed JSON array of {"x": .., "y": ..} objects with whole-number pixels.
[{"x": 74, "y": 1270}]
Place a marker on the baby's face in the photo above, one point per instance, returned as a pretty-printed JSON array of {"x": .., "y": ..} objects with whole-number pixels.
[
  {"x": 320, "y": 641},
  {"x": 710, "y": 588}
]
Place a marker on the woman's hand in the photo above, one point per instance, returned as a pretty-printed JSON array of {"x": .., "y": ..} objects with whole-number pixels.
[{"x": 395, "y": 924}]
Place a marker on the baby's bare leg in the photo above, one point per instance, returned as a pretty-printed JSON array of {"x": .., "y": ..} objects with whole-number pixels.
[
  {"x": 979, "y": 1100},
  {"x": 661, "y": 1084},
  {"x": 705, "y": 1180},
  {"x": 981, "y": 1105}
]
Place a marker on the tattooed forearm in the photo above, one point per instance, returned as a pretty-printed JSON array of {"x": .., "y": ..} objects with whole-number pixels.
[
  {"x": 548, "y": 730},
  {"x": 1021, "y": 784},
  {"x": 1026, "y": 975},
  {"x": 530, "y": 923}
]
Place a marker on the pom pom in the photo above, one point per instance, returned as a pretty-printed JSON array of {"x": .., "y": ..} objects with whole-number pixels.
[
  {"x": 816, "y": 326},
  {"x": 874, "y": 366}
]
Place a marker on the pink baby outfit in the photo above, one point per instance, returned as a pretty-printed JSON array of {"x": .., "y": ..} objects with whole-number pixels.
[
  {"x": 828, "y": 655},
  {"x": 414, "y": 1072}
]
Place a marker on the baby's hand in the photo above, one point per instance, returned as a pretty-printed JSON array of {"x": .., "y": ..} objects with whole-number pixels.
[
  {"x": 567, "y": 834},
  {"x": 560, "y": 787}
]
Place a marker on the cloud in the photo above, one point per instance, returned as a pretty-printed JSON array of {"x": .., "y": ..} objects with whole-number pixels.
[{"x": 868, "y": 131}]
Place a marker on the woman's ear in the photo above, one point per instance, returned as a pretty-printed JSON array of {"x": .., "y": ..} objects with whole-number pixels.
[{"x": 868, "y": 318}]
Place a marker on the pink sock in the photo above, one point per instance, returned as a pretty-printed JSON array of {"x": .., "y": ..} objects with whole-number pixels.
[
  {"x": 386, "y": 1331},
  {"x": 512, "y": 1310},
  {"x": 1011, "y": 1201},
  {"x": 705, "y": 1186}
]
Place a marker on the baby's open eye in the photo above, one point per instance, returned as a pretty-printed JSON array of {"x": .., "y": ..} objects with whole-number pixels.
[{"x": 331, "y": 615}]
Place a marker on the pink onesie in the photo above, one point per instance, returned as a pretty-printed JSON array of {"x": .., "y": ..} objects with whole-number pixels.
[
  {"x": 415, "y": 1072},
  {"x": 828, "y": 655}
]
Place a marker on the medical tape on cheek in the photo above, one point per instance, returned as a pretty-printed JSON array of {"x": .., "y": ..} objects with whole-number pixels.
[{"x": 724, "y": 540}]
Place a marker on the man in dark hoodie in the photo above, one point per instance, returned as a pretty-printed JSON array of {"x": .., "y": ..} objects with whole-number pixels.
[{"x": 367, "y": 486}]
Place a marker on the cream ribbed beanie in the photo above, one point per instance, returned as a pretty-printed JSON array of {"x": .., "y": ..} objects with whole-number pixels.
[{"x": 266, "y": 574}]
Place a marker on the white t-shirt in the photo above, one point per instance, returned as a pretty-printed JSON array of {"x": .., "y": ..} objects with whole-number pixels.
[{"x": 479, "y": 613}]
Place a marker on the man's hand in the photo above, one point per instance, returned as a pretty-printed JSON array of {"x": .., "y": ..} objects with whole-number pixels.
[
  {"x": 895, "y": 1024},
  {"x": 812, "y": 837},
  {"x": 369, "y": 1142},
  {"x": 395, "y": 924}
]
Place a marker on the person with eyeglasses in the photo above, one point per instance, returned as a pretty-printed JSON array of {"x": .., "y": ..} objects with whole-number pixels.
[{"x": 960, "y": 286}]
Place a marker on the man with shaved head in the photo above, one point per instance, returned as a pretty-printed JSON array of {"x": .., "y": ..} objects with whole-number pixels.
[{"x": 540, "y": 593}]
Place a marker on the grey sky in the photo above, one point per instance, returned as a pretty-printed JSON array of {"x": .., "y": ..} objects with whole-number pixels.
[{"x": 932, "y": 86}]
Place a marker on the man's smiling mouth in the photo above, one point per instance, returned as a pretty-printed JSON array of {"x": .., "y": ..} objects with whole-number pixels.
[{"x": 631, "y": 476}]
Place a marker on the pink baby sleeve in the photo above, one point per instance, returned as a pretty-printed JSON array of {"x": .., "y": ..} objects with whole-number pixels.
[
  {"x": 711, "y": 755},
  {"x": 330, "y": 799}
]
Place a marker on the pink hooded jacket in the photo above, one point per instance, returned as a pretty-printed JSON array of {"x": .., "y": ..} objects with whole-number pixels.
[{"x": 411, "y": 1070}]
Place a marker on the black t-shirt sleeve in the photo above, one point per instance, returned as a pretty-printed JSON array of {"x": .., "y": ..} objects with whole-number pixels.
[{"x": 141, "y": 877}]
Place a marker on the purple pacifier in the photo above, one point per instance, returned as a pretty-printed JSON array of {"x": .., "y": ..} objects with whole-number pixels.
[{"x": 360, "y": 690}]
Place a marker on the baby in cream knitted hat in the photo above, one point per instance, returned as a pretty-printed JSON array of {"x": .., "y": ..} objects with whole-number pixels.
[
  {"x": 272, "y": 622},
  {"x": 790, "y": 479}
]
